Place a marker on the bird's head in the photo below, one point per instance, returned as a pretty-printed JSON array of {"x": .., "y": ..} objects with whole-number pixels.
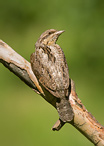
[{"x": 49, "y": 37}]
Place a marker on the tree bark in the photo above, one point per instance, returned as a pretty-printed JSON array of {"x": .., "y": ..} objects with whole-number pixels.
[{"x": 83, "y": 120}]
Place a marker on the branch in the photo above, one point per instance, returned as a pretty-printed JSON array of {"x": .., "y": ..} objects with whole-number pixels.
[{"x": 83, "y": 120}]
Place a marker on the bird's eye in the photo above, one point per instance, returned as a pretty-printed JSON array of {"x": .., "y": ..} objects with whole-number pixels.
[{"x": 50, "y": 32}]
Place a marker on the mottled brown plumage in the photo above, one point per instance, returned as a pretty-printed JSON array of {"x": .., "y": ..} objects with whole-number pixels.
[{"x": 49, "y": 66}]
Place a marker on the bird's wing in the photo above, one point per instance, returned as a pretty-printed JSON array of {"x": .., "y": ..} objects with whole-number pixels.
[
  {"x": 42, "y": 73},
  {"x": 46, "y": 71}
]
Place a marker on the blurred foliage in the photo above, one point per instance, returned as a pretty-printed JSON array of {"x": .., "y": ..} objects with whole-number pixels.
[{"x": 26, "y": 118}]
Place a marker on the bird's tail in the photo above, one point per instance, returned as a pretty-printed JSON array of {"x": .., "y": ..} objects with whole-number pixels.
[{"x": 65, "y": 110}]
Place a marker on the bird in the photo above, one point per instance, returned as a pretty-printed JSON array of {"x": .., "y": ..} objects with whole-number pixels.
[{"x": 49, "y": 65}]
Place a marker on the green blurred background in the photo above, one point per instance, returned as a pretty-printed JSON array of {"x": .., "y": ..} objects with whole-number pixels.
[{"x": 25, "y": 118}]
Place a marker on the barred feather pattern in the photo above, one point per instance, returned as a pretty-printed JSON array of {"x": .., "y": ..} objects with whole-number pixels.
[{"x": 49, "y": 66}]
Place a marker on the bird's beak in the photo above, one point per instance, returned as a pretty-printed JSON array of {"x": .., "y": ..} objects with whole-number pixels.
[{"x": 59, "y": 32}]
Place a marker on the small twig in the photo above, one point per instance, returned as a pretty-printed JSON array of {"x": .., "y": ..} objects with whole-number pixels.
[{"x": 83, "y": 120}]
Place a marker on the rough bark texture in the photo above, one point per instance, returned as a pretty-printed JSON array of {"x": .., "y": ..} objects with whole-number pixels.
[{"x": 83, "y": 120}]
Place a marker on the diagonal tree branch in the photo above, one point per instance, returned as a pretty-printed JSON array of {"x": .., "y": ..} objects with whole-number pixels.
[{"x": 83, "y": 120}]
